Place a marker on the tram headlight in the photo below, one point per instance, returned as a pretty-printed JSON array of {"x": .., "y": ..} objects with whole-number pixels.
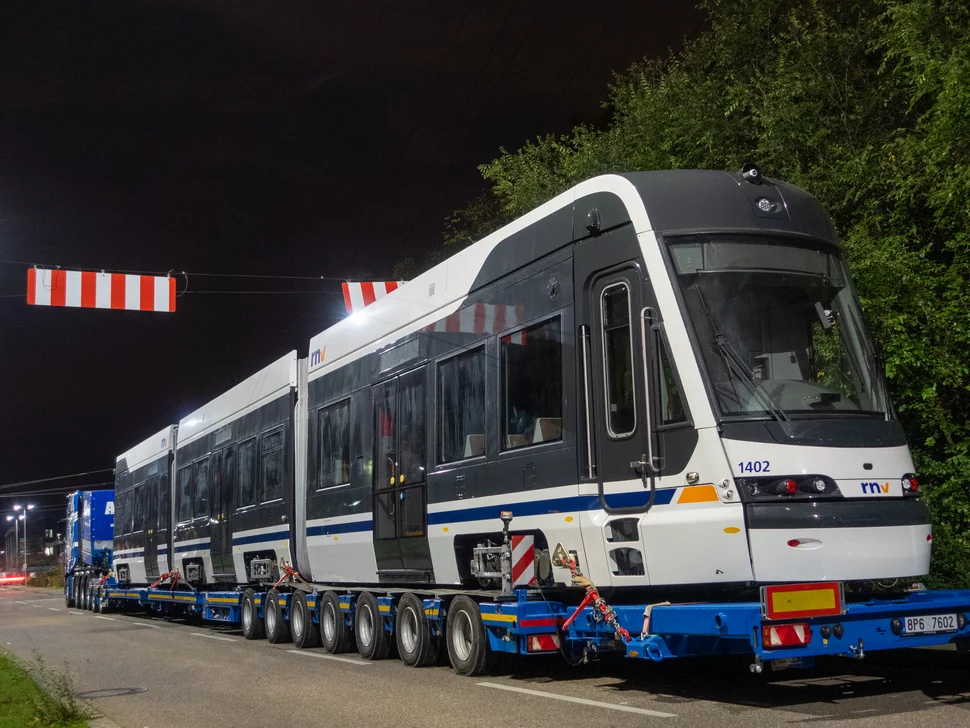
[
  {"x": 788, "y": 487},
  {"x": 910, "y": 484}
]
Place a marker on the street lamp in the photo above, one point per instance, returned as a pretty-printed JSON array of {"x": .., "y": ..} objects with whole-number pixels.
[{"x": 24, "y": 517}]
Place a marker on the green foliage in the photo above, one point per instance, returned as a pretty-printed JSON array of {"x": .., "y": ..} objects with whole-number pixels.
[
  {"x": 866, "y": 105},
  {"x": 24, "y": 703}
]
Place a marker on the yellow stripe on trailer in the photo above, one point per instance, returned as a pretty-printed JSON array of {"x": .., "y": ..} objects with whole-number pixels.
[
  {"x": 431, "y": 612},
  {"x": 222, "y": 600},
  {"x": 497, "y": 617},
  {"x": 383, "y": 608}
]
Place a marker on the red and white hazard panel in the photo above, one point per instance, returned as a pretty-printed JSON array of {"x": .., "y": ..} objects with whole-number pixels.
[
  {"x": 89, "y": 289},
  {"x": 523, "y": 561},
  {"x": 358, "y": 295}
]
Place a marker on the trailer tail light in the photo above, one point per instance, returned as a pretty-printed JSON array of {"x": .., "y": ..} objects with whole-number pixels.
[
  {"x": 802, "y": 601},
  {"x": 785, "y": 635},
  {"x": 543, "y": 643}
]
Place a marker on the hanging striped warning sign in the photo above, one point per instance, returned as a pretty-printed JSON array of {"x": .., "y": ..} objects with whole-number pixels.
[
  {"x": 523, "y": 561},
  {"x": 89, "y": 289},
  {"x": 364, "y": 293}
]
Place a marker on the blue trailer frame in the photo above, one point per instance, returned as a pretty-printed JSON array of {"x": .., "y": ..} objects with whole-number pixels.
[{"x": 676, "y": 630}]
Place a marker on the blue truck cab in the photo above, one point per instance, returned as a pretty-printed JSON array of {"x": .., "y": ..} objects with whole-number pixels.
[{"x": 90, "y": 536}]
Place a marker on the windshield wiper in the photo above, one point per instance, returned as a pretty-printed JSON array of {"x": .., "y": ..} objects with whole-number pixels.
[{"x": 735, "y": 364}]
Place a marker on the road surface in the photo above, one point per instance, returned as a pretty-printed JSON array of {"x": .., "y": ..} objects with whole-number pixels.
[{"x": 152, "y": 673}]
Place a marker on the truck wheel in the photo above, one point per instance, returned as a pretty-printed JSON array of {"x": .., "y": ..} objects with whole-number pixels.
[
  {"x": 305, "y": 632},
  {"x": 252, "y": 625},
  {"x": 335, "y": 635},
  {"x": 76, "y": 591},
  {"x": 89, "y": 597},
  {"x": 277, "y": 628},
  {"x": 373, "y": 641},
  {"x": 415, "y": 644},
  {"x": 83, "y": 593},
  {"x": 468, "y": 647},
  {"x": 69, "y": 594}
]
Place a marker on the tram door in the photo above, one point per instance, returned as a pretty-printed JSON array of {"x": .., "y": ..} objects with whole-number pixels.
[
  {"x": 400, "y": 478},
  {"x": 616, "y": 298}
]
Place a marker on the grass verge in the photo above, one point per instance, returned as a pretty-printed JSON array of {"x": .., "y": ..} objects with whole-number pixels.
[{"x": 23, "y": 703}]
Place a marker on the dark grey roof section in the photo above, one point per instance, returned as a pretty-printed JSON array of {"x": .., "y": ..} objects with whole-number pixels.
[
  {"x": 688, "y": 200},
  {"x": 677, "y": 201}
]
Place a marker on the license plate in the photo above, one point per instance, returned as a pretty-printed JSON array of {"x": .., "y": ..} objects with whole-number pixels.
[{"x": 931, "y": 624}]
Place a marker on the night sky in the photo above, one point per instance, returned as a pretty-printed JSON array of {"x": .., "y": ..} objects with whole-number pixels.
[{"x": 285, "y": 139}]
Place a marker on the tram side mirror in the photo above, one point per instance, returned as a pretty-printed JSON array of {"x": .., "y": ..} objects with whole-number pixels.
[
  {"x": 825, "y": 316},
  {"x": 560, "y": 557}
]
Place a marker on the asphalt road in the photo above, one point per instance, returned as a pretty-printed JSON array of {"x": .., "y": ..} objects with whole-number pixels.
[{"x": 161, "y": 674}]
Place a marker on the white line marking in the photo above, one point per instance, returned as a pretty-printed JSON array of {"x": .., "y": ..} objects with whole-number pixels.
[
  {"x": 76, "y": 614},
  {"x": 142, "y": 624},
  {"x": 110, "y": 619},
  {"x": 54, "y": 609},
  {"x": 36, "y": 606},
  {"x": 322, "y": 656},
  {"x": 581, "y": 701},
  {"x": 20, "y": 603},
  {"x": 212, "y": 636}
]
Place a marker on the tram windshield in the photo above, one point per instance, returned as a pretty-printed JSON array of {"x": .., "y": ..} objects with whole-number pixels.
[{"x": 778, "y": 326}]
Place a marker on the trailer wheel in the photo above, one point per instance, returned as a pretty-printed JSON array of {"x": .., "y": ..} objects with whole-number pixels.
[
  {"x": 415, "y": 644},
  {"x": 89, "y": 601},
  {"x": 69, "y": 594},
  {"x": 83, "y": 593},
  {"x": 305, "y": 632},
  {"x": 468, "y": 647},
  {"x": 373, "y": 642},
  {"x": 277, "y": 628},
  {"x": 76, "y": 591},
  {"x": 252, "y": 625},
  {"x": 335, "y": 635}
]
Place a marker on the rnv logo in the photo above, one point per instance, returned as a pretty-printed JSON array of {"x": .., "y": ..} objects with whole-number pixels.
[{"x": 875, "y": 488}]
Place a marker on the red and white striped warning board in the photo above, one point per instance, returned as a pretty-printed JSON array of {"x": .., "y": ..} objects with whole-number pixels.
[
  {"x": 543, "y": 642},
  {"x": 523, "y": 561},
  {"x": 89, "y": 289},
  {"x": 358, "y": 295}
]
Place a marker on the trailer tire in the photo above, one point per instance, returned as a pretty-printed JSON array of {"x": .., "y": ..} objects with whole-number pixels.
[
  {"x": 335, "y": 635},
  {"x": 76, "y": 591},
  {"x": 89, "y": 601},
  {"x": 305, "y": 631},
  {"x": 69, "y": 595},
  {"x": 373, "y": 641},
  {"x": 468, "y": 648},
  {"x": 416, "y": 646},
  {"x": 252, "y": 625},
  {"x": 83, "y": 593},
  {"x": 277, "y": 628}
]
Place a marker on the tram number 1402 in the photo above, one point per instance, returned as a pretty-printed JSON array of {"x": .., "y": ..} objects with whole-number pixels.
[{"x": 931, "y": 624}]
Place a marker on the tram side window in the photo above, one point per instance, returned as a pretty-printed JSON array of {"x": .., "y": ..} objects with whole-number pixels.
[
  {"x": 246, "y": 475},
  {"x": 531, "y": 389},
  {"x": 201, "y": 509},
  {"x": 184, "y": 494},
  {"x": 121, "y": 514},
  {"x": 411, "y": 427},
  {"x": 273, "y": 466},
  {"x": 672, "y": 410},
  {"x": 461, "y": 406},
  {"x": 621, "y": 417},
  {"x": 333, "y": 445},
  {"x": 228, "y": 480},
  {"x": 138, "y": 510},
  {"x": 163, "y": 512}
]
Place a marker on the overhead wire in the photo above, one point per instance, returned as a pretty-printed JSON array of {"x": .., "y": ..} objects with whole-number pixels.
[{"x": 5, "y": 486}]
